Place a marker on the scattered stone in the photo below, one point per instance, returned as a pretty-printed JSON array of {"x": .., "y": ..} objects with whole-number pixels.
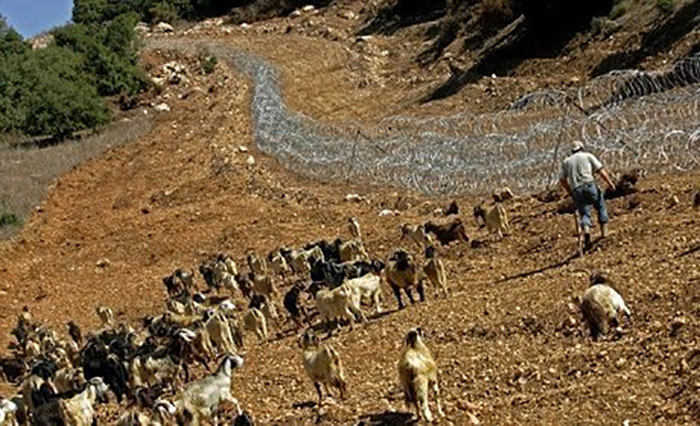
[
  {"x": 308, "y": 8},
  {"x": 677, "y": 325},
  {"x": 295, "y": 14},
  {"x": 348, "y": 14},
  {"x": 250, "y": 160},
  {"x": 103, "y": 263},
  {"x": 164, "y": 27},
  {"x": 163, "y": 107},
  {"x": 142, "y": 28},
  {"x": 472, "y": 419},
  {"x": 673, "y": 201},
  {"x": 355, "y": 198},
  {"x": 387, "y": 212},
  {"x": 243, "y": 148}
]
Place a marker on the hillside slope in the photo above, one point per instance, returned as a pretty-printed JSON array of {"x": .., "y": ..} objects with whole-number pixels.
[{"x": 510, "y": 347}]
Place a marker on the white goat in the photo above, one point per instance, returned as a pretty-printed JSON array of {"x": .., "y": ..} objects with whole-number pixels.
[
  {"x": 367, "y": 288},
  {"x": 417, "y": 370},
  {"x": 338, "y": 303},
  {"x": 201, "y": 399},
  {"x": 601, "y": 305}
]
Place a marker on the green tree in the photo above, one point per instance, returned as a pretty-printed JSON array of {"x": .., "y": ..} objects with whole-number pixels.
[
  {"x": 112, "y": 70},
  {"x": 58, "y": 96}
]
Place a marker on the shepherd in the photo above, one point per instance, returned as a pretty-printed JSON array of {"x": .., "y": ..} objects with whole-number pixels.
[{"x": 578, "y": 179}]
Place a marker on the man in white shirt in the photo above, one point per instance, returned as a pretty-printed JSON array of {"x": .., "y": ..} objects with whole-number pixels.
[{"x": 578, "y": 178}]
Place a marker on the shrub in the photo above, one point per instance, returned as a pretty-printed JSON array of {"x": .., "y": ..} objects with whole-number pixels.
[
  {"x": 58, "y": 98},
  {"x": 495, "y": 13},
  {"x": 110, "y": 57},
  {"x": 666, "y": 6},
  {"x": 10, "y": 219},
  {"x": 208, "y": 64},
  {"x": 619, "y": 9},
  {"x": 163, "y": 12}
]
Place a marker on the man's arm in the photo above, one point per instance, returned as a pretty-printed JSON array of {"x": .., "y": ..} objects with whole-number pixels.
[
  {"x": 606, "y": 177},
  {"x": 565, "y": 184}
]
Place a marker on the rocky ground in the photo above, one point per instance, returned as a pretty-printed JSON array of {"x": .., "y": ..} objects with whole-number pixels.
[{"x": 509, "y": 341}]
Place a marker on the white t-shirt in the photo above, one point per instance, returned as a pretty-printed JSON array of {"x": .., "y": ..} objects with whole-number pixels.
[{"x": 579, "y": 168}]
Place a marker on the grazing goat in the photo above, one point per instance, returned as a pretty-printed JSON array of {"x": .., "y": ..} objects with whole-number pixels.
[
  {"x": 76, "y": 411},
  {"x": 601, "y": 305},
  {"x": 69, "y": 379},
  {"x": 494, "y": 217},
  {"x": 402, "y": 273},
  {"x": 435, "y": 271},
  {"x": 256, "y": 264},
  {"x": 452, "y": 209},
  {"x": 219, "y": 329},
  {"x": 417, "y": 371},
  {"x": 180, "y": 280},
  {"x": 201, "y": 399},
  {"x": 266, "y": 306},
  {"x": 278, "y": 263},
  {"x": 502, "y": 194},
  {"x": 447, "y": 232},
  {"x": 416, "y": 234},
  {"x": 254, "y": 321},
  {"x": 106, "y": 316},
  {"x": 263, "y": 284},
  {"x": 338, "y": 303},
  {"x": 354, "y": 228},
  {"x": 367, "y": 288},
  {"x": 322, "y": 364},
  {"x": 352, "y": 251}
]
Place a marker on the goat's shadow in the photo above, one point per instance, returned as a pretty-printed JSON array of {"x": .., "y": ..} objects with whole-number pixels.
[{"x": 388, "y": 418}]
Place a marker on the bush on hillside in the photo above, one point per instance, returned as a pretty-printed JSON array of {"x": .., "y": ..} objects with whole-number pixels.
[
  {"x": 56, "y": 91},
  {"x": 111, "y": 60}
]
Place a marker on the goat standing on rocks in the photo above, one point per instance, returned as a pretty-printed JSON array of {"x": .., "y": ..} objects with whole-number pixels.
[{"x": 417, "y": 371}]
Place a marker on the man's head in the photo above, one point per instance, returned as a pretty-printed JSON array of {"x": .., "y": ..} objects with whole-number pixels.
[{"x": 576, "y": 147}]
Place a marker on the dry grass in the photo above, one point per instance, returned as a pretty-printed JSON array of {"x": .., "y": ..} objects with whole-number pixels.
[{"x": 27, "y": 170}]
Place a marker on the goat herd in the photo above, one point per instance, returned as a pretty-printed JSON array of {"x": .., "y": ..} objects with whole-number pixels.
[{"x": 62, "y": 380}]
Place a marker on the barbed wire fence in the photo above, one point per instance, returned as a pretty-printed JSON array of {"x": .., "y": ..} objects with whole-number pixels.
[{"x": 629, "y": 118}]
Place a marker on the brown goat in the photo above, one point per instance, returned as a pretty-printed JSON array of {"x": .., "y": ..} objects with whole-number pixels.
[{"x": 448, "y": 232}]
